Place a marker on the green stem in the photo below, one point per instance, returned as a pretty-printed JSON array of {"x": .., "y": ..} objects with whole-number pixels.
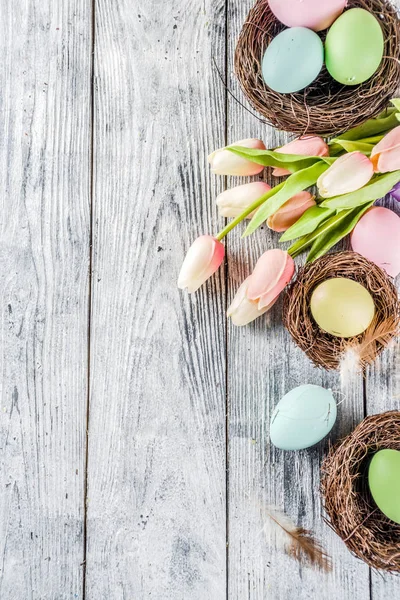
[{"x": 248, "y": 211}]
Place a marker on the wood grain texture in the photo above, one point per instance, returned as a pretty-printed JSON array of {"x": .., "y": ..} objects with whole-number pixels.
[
  {"x": 156, "y": 495},
  {"x": 44, "y": 251},
  {"x": 263, "y": 364}
]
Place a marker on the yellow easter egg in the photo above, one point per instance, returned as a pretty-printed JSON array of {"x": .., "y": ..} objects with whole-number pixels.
[{"x": 342, "y": 307}]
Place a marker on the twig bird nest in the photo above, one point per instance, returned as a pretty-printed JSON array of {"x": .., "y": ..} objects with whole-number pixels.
[
  {"x": 326, "y": 107},
  {"x": 352, "y": 513},
  {"x": 326, "y": 350}
]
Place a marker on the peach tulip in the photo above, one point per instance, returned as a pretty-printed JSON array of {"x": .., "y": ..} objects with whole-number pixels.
[
  {"x": 204, "y": 257},
  {"x": 224, "y": 162},
  {"x": 291, "y": 211},
  {"x": 259, "y": 292},
  {"x": 347, "y": 174},
  {"x": 233, "y": 202},
  {"x": 386, "y": 155},
  {"x": 309, "y": 145}
]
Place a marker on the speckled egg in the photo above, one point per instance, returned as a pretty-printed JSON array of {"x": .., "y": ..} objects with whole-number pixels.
[
  {"x": 303, "y": 417},
  {"x": 314, "y": 14},
  {"x": 293, "y": 60},
  {"x": 377, "y": 237},
  {"x": 354, "y": 47}
]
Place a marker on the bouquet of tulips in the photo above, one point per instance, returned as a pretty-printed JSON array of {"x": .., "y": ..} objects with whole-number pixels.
[{"x": 350, "y": 173}]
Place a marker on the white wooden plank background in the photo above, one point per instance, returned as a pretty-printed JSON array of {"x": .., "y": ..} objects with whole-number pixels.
[{"x": 108, "y": 109}]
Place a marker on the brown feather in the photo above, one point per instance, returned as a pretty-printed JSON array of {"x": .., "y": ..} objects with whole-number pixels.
[
  {"x": 301, "y": 544},
  {"x": 375, "y": 336}
]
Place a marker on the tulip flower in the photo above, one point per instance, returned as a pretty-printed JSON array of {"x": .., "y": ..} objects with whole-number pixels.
[
  {"x": 259, "y": 292},
  {"x": 347, "y": 174},
  {"x": 224, "y": 162},
  {"x": 233, "y": 202},
  {"x": 291, "y": 212},
  {"x": 204, "y": 257},
  {"x": 385, "y": 156},
  {"x": 309, "y": 145}
]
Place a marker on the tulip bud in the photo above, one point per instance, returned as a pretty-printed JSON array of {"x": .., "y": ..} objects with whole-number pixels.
[
  {"x": 233, "y": 202},
  {"x": 224, "y": 162},
  {"x": 291, "y": 212},
  {"x": 309, "y": 145},
  {"x": 204, "y": 257},
  {"x": 385, "y": 156},
  {"x": 259, "y": 292},
  {"x": 347, "y": 174}
]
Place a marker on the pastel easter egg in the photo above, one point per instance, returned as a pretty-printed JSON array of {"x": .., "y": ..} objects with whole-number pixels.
[
  {"x": 377, "y": 237},
  {"x": 314, "y": 14},
  {"x": 303, "y": 417},
  {"x": 354, "y": 47},
  {"x": 293, "y": 60},
  {"x": 384, "y": 482},
  {"x": 342, "y": 307}
]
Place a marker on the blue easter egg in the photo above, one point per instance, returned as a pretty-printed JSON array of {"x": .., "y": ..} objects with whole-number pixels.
[
  {"x": 303, "y": 417},
  {"x": 293, "y": 60}
]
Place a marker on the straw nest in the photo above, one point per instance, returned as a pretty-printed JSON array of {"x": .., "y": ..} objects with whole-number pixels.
[
  {"x": 351, "y": 511},
  {"x": 326, "y": 350},
  {"x": 326, "y": 107}
]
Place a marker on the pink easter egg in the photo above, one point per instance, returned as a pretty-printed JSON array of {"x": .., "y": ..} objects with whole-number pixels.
[
  {"x": 314, "y": 14},
  {"x": 377, "y": 237}
]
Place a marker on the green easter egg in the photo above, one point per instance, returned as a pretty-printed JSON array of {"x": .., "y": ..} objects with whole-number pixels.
[
  {"x": 384, "y": 482},
  {"x": 342, "y": 307},
  {"x": 293, "y": 60},
  {"x": 354, "y": 47}
]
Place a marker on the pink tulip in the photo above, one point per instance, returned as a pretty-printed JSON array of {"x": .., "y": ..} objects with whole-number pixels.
[
  {"x": 291, "y": 211},
  {"x": 233, "y": 202},
  {"x": 224, "y": 162},
  {"x": 259, "y": 292},
  {"x": 309, "y": 145},
  {"x": 204, "y": 257},
  {"x": 347, "y": 174},
  {"x": 386, "y": 155}
]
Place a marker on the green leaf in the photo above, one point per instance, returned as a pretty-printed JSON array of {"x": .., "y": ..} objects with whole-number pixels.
[
  {"x": 384, "y": 122},
  {"x": 307, "y": 223},
  {"x": 324, "y": 228},
  {"x": 378, "y": 187},
  {"x": 270, "y": 158},
  {"x": 396, "y": 103},
  {"x": 293, "y": 185},
  {"x": 352, "y": 146},
  {"x": 327, "y": 240}
]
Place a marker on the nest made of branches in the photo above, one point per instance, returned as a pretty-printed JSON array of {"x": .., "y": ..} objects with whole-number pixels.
[
  {"x": 326, "y": 107},
  {"x": 352, "y": 513},
  {"x": 326, "y": 350}
]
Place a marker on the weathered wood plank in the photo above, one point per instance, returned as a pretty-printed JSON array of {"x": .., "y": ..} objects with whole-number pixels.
[
  {"x": 45, "y": 54},
  {"x": 383, "y": 393},
  {"x": 263, "y": 364},
  {"x": 156, "y": 500}
]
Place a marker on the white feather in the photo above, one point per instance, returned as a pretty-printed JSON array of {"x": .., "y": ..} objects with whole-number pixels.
[{"x": 350, "y": 366}]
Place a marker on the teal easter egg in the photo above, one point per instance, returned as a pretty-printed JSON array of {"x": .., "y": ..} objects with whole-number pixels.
[
  {"x": 293, "y": 60},
  {"x": 384, "y": 482},
  {"x": 303, "y": 417},
  {"x": 354, "y": 47}
]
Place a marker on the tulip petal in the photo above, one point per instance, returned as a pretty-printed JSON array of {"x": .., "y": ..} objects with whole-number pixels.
[
  {"x": 279, "y": 172},
  {"x": 224, "y": 162},
  {"x": 233, "y": 202},
  {"x": 291, "y": 212},
  {"x": 385, "y": 156},
  {"x": 203, "y": 258},
  {"x": 270, "y": 274},
  {"x": 347, "y": 174},
  {"x": 243, "y": 311}
]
